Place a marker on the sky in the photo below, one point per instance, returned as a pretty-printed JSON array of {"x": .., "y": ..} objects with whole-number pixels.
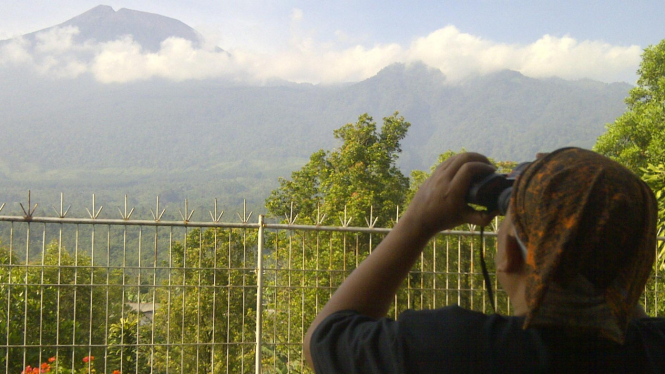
[{"x": 345, "y": 40}]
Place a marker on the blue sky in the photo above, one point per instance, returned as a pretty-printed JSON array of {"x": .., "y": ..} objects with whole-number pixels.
[{"x": 519, "y": 35}]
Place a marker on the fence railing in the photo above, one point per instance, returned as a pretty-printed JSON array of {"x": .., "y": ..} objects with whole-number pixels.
[{"x": 154, "y": 296}]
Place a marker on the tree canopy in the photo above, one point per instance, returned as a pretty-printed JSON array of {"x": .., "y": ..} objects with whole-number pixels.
[
  {"x": 361, "y": 176},
  {"x": 637, "y": 138}
]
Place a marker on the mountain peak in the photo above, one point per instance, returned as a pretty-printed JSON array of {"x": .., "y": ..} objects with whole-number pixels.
[
  {"x": 101, "y": 9},
  {"x": 103, "y": 24},
  {"x": 96, "y": 13},
  {"x": 412, "y": 70}
]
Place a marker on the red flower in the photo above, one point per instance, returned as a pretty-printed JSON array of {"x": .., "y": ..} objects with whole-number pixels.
[
  {"x": 88, "y": 358},
  {"x": 51, "y": 359},
  {"x": 116, "y": 371}
]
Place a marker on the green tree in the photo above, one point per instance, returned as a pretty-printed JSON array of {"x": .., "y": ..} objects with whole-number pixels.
[
  {"x": 359, "y": 179},
  {"x": 207, "y": 310},
  {"x": 360, "y": 175},
  {"x": 52, "y": 302},
  {"x": 654, "y": 175},
  {"x": 637, "y": 138}
]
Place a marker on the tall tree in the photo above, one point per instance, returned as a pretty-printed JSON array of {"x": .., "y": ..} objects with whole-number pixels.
[
  {"x": 360, "y": 175},
  {"x": 637, "y": 138}
]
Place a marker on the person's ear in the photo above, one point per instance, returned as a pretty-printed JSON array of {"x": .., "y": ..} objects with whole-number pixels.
[{"x": 513, "y": 260}]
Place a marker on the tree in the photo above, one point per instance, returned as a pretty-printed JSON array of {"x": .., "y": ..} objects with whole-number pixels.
[
  {"x": 358, "y": 180},
  {"x": 208, "y": 304},
  {"x": 53, "y": 302},
  {"x": 637, "y": 138},
  {"x": 361, "y": 175}
]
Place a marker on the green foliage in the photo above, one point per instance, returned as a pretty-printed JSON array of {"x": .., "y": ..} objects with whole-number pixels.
[
  {"x": 123, "y": 339},
  {"x": 360, "y": 177},
  {"x": 637, "y": 138},
  {"x": 654, "y": 175},
  {"x": 51, "y": 300},
  {"x": 206, "y": 306}
]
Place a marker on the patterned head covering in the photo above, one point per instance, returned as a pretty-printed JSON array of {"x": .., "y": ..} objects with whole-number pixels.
[{"x": 589, "y": 228}]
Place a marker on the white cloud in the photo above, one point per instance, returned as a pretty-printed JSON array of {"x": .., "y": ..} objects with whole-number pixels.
[
  {"x": 15, "y": 52},
  {"x": 458, "y": 55},
  {"x": 124, "y": 61},
  {"x": 56, "y": 40},
  {"x": 53, "y": 53},
  {"x": 296, "y": 15}
]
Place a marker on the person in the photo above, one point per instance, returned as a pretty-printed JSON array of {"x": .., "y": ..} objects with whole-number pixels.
[{"x": 574, "y": 253}]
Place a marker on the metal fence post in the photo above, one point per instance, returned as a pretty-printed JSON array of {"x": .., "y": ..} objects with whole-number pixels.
[{"x": 259, "y": 295}]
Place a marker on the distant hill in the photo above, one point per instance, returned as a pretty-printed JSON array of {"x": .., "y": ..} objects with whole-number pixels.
[{"x": 215, "y": 138}]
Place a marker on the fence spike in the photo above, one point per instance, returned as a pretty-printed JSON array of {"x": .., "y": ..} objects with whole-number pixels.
[
  {"x": 372, "y": 221},
  {"x": 188, "y": 215},
  {"x": 94, "y": 214},
  {"x": 345, "y": 222},
  {"x": 289, "y": 218},
  {"x": 215, "y": 217},
  {"x": 61, "y": 214},
  {"x": 319, "y": 218},
  {"x": 244, "y": 218},
  {"x": 125, "y": 216},
  {"x": 156, "y": 215},
  {"x": 495, "y": 224},
  {"x": 29, "y": 212}
]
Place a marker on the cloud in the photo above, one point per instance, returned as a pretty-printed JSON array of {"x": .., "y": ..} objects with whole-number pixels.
[
  {"x": 52, "y": 53},
  {"x": 15, "y": 52},
  {"x": 56, "y": 40},
  {"x": 296, "y": 15},
  {"x": 124, "y": 61},
  {"x": 458, "y": 55}
]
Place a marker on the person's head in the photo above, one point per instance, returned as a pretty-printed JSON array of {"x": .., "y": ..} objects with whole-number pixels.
[{"x": 578, "y": 242}]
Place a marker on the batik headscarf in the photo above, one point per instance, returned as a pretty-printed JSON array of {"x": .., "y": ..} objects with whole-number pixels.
[{"x": 589, "y": 228}]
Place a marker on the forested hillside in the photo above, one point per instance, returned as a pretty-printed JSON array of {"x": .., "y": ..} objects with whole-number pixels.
[{"x": 214, "y": 138}]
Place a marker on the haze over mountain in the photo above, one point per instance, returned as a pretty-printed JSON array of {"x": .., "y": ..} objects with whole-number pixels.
[{"x": 219, "y": 137}]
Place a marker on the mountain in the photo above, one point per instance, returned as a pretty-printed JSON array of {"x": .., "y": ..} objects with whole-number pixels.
[
  {"x": 103, "y": 24},
  {"x": 212, "y": 138}
]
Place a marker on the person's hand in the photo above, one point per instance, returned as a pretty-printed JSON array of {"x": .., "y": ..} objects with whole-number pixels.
[{"x": 440, "y": 203}]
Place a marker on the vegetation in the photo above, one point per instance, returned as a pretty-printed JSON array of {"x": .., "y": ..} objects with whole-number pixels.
[
  {"x": 206, "y": 312},
  {"x": 204, "y": 289},
  {"x": 203, "y": 139},
  {"x": 67, "y": 310},
  {"x": 637, "y": 138},
  {"x": 360, "y": 176}
]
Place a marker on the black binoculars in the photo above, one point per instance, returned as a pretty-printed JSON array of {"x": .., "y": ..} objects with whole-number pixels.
[{"x": 493, "y": 191}]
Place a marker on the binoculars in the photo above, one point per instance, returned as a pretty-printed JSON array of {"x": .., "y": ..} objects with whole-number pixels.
[{"x": 493, "y": 191}]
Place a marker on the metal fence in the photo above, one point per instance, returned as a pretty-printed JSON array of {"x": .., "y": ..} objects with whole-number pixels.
[{"x": 154, "y": 296}]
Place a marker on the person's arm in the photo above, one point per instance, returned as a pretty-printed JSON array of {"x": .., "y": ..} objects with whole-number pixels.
[{"x": 438, "y": 205}]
